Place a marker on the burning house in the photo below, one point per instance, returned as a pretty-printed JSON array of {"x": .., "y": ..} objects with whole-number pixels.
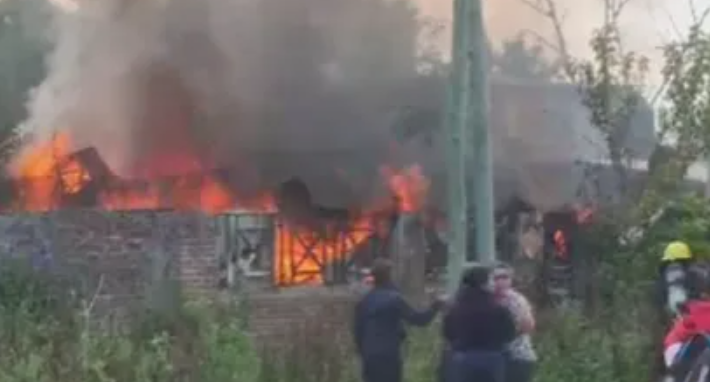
[
  {"x": 258, "y": 156},
  {"x": 168, "y": 141}
]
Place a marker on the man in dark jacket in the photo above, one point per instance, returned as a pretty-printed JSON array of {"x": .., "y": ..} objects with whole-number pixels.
[{"x": 379, "y": 326}]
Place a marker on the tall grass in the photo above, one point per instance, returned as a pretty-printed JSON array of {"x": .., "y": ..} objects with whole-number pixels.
[{"x": 45, "y": 336}]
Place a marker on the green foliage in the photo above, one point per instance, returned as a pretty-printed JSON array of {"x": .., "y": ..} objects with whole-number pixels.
[
  {"x": 611, "y": 88},
  {"x": 689, "y": 220},
  {"x": 208, "y": 342},
  {"x": 521, "y": 60},
  {"x": 573, "y": 346},
  {"x": 684, "y": 117},
  {"x": 618, "y": 338},
  {"x": 686, "y": 114},
  {"x": 610, "y": 84},
  {"x": 45, "y": 336}
]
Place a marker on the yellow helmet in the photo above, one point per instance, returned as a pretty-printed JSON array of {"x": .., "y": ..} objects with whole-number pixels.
[{"x": 677, "y": 250}]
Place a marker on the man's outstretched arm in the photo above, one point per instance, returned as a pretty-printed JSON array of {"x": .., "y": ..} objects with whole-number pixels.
[{"x": 418, "y": 317}]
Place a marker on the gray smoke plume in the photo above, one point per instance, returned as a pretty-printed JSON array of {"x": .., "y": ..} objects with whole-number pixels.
[{"x": 272, "y": 89}]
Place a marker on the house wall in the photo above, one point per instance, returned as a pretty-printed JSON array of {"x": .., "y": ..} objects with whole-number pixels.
[
  {"x": 112, "y": 254},
  {"x": 116, "y": 255}
]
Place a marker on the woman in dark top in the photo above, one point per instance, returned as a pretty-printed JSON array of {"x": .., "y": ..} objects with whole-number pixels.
[{"x": 477, "y": 330}]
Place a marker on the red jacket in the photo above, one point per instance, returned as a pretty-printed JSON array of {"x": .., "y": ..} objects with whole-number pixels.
[{"x": 696, "y": 321}]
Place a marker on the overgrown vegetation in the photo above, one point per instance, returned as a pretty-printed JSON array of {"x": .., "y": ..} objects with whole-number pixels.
[{"x": 50, "y": 334}]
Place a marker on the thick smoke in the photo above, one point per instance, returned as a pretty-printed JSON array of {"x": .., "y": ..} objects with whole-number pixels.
[{"x": 272, "y": 89}]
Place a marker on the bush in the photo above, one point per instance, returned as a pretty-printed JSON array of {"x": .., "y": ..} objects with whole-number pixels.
[
  {"x": 574, "y": 347},
  {"x": 45, "y": 335}
]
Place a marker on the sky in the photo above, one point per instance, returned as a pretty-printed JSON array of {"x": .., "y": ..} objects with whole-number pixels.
[{"x": 646, "y": 24}]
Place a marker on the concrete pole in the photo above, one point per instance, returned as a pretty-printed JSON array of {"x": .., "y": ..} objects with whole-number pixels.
[
  {"x": 457, "y": 141},
  {"x": 482, "y": 170}
]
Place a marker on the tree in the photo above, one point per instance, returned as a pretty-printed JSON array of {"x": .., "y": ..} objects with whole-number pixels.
[
  {"x": 611, "y": 84},
  {"x": 519, "y": 59},
  {"x": 686, "y": 106}
]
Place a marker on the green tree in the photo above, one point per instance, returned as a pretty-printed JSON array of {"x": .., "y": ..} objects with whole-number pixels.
[
  {"x": 685, "y": 113},
  {"x": 611, "y": 88},
  {"x": 519, "y": 59}
]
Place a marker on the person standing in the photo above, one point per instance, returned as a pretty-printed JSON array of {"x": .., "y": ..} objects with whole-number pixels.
[
  {"x": 673, "y": 292},
  {"x": 379, "y": 326},
  {"x": 521, "y": 357},
  {"x": 477, "y": 329}
]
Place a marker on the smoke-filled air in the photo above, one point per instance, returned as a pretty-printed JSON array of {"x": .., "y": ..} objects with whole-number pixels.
[
  {"x": 269, "y": 89},
  {"x": 338, "y": 94}
]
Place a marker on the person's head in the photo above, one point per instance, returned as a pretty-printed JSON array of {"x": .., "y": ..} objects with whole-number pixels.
[
  {"x": 477, "y": 278},
  {"x": 381, "y": 272},
  {"x": 502, "y": 277}
]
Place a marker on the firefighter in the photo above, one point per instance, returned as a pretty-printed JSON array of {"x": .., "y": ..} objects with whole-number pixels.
[{"x": 675, "y": 289}]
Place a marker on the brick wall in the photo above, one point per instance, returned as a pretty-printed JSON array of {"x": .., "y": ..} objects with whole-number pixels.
[
  {"x": 289, "y": 313},
  {"x": 120, "y": 251},
  {"x": 114, "y": 254}
]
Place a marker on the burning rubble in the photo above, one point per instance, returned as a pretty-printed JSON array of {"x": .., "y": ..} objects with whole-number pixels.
[{"x": 52, "y": 176}]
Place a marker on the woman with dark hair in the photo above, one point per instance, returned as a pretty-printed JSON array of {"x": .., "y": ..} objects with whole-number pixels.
[{"x": 477, "y": 329}]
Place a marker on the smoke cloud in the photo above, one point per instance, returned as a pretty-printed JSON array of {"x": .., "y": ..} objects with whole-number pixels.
[
  {"x": 271, "y": 89},
  {"x": 253, "y": 85}
]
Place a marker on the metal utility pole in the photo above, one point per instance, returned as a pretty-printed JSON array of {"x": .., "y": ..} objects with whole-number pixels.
[
  {"x": 467, "y": 125},
  {"x": 482, "y": 162},
  {"x": 457, "y": 142}
]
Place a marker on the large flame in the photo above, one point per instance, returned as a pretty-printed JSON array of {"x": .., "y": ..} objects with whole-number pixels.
[
  {"x": 560, "y": 241},
  {"x": 409, "y": 186},
  {"x": 49, "y": 173},
  {"x": 301, "y": 253}
]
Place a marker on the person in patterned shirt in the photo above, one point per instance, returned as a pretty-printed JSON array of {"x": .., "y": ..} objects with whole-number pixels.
[{"x": 521, "y": 358}]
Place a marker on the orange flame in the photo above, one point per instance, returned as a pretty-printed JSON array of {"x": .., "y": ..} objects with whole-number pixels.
[
  {"x": 43, "y": 164},
  {"x": 560, "y": 244},
  {"x": 300, "y": 253},
  {"x": 409, "y": 186},
  {"x": 50, "y": 174}
]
